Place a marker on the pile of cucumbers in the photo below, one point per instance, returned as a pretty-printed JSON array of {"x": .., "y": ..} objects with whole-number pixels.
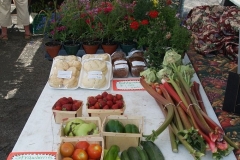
[
  {"x": 147, "y": 151},
  {"x": 117, "y": 126}
]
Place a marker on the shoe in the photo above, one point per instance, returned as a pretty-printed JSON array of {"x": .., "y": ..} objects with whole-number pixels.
[
  {"x": 4, "y": 37},
  {"x": 28, "y": 36}
]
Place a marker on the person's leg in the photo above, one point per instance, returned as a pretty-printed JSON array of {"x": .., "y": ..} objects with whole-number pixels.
[
  {"x": 5, "y": 17},
  {"x": 23, "y": 16}
]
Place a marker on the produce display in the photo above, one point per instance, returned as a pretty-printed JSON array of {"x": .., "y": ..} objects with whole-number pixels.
[
  {"x": 81, "y": 150},
  {"x": 79, "y": 127},
  {"x": 105, "y": 101},
  {"x": 65, "y": 72},
  {"x": 181, "y": 103}
]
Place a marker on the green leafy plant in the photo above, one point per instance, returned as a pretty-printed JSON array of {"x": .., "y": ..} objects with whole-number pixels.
[{"x": 75, "y": 26}]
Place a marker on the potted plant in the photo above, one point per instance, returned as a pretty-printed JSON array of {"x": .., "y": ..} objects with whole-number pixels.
[
  {"x": 109, "y": 15},
  {"x": 54, "y": 31},
  {"x": 71, "y": 12},
  {"x": 163, "y": 31},
  {"x": 126, "y": 29}
]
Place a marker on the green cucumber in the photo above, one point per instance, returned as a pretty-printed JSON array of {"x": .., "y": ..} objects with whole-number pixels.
[
  {"x": 153, "y": 152},
  {"x": 112, "y": 153},
  {"x": 114, "y": 126},
  {"x": 133, "y": 153},
  {"x": 124, "y": 155},
  {"x": 131, "y": 128},
  {"x": 142, "y": 153}
]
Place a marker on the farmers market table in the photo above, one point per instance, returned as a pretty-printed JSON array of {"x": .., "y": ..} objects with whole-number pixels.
[{"x": 42, "y": 134}]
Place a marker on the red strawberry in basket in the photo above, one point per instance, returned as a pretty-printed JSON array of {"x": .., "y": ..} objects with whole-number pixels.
[
  {"x": 119, "y": 96},
  {"x": 57, "y": 106},
  {"x": 70, "y": 100},
  {"x": 75, "y": 107},
  {"x": 63, "y": 100},
  {"x": 91, "y": 101},
  {"x": 104, "y": 94},
  {"x": 67, "y": 107}
]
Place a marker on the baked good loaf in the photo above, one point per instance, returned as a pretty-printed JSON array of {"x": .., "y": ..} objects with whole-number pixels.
[
  {"x": 70, "y": 83},
  {"x": 95, "y": 65},
  {"x": 55, "y": 82},
  {"x": 137, "y": 65},
  {"x": 94, "y": 82},
  {"x": 120, "y": 68}
]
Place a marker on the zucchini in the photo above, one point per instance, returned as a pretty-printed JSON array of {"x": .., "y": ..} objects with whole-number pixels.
[
  {"x": 131, "y": 128},
  {"x": 112, "y": 153},
  {"x": 133, "y": 153},
  {"x": 124, "y": 155},
  {"x": 153, "y": 152},
  {"x": 142, "y": 153}
]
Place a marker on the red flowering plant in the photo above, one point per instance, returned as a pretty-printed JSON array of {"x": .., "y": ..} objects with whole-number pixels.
[
  {"x": 160, "y": 28},
  {"x": 127, "y": 26}
]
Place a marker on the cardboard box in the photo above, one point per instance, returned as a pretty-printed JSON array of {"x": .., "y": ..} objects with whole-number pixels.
[
  {"x": 102, "y": 113},
  {"x": 60, "y": 116},
  {"x": 90, "y": 140},
  {"x": 95, "y": 120},
  {"x": 123, "y": 140}
]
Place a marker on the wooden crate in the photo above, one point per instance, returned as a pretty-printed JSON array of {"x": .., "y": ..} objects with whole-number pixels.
[
  {"x": 90, "y": 140},
  {"x": 123, "y": 140},
  {"x": 60, "y": 116},
  {"x": 102, "y": 113},
  {"x": 95, "y": 120}
]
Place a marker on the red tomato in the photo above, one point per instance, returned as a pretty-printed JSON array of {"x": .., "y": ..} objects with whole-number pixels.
[
  {"x": 80, "y": 154},
  {"x": 82, "y": 145},
  {"x": 94, "y": 151}
]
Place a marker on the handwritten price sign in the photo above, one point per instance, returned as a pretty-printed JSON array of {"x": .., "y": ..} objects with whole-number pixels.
[{"x": 127, "y": 85}]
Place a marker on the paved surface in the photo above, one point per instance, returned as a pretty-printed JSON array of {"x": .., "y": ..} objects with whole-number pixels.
[{"x": 23, "y": 74}]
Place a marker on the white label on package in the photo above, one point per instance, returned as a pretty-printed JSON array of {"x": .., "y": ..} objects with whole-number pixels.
[
  {"x": 95, "y": 75},
  {"x": 138, "y": 63},
  {"x": 120, "y": 61},
  {"x": 120, "y": 66},
  {"x": 64, "y": 74}
]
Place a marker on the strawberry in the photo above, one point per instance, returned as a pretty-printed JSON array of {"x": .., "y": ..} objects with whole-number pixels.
[
  {"x": 120, "y": 104},
  {"x": 109, "y": 103},
  {"x": 67, "y": 107},
  {"x": 106, "y": 107},
  {"x": 78, "y": 103},
  {"x": 115, "y": 106},
  {"x": 119, "y": 96},
  {"x": 92, "y": 101},
  {"x": 75, "y": 107},
  {"x": 57, "y": 106},
  {"x": 70, "y": 100},
  {"x": 99, "y": 96},
  {"x": 114, "y": 100},
  {"x": 104, "y": 94},
  {"x": 102, "y": 103},
  {"x": 63, "y": 100},
  {"x": 92, "y": 107},
  {"x": 105, "y": 99},
  {"x": 97, "y": 105},
  {"x": 109, "y": 97}
]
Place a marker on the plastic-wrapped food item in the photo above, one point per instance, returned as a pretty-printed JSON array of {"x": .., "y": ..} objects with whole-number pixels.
[
  {"x": 102, "y": 56},
  {"x": 120, "y": 68},
  {"x": 136, "y": 53},
  {"x": 137, "y": 65},
  {"x": 118, "y": 55},
  {"x": 65, "y": 72}
]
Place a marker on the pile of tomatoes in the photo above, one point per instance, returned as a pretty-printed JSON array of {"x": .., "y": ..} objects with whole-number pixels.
[{"x": 82, "y": 150}]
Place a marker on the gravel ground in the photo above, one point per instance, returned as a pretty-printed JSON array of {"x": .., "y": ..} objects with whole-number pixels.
[{"x": 23, "y": 74}]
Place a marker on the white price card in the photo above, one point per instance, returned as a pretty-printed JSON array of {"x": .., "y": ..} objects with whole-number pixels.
[{"x": 64, "y": 74}]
